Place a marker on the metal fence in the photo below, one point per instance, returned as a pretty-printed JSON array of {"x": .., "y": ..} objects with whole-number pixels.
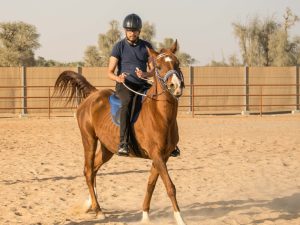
[{"x": 209, "y": 90}]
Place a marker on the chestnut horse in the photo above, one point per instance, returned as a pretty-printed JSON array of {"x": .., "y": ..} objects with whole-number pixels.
[{"x": 156, "y": 130}]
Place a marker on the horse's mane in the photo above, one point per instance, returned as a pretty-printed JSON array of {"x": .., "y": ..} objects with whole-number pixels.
[{"x": 73, "y": 86}]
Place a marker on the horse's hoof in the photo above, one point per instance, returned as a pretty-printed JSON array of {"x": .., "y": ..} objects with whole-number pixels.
[
  {"x": 100, "y": 216},
  {"x": 145, "y": 218},
  {"x": 87, "y": 205},
  {"x": 178, "y": 218}
]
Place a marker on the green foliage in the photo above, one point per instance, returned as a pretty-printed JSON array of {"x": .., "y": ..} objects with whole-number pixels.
[
  {"x": 267, "y": 42},
  {"x": 92, "y": 56},
  {"x": 18, "y": 40},
  {"x": 184, "y": 58},
  {"x": 100, "y": 56},
  {"x": 42, "y": 62},
  {"x": 148, "y": 32},
  {"x": 107, "y": 41},
  {"x": 232, "y": 61},
  {"x": 167, "y": 43}
]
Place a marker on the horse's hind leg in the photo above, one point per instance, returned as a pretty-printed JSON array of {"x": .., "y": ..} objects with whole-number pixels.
[
  {"x": 150, "y": 188},
  {"x": 90, "y": 145},
  {"x": 101, "y": 157}
]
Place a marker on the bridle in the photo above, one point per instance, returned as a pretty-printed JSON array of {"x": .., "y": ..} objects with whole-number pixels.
[{"x": 162, "y": 79}]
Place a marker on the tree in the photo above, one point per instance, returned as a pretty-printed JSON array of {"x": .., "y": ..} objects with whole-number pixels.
[
  {"x": 42, "y": 62},
  {"x": 266, "y": 42},
  {"x": 167, "y": 43},
  {"x": 282, "y": 51},
  {"x": 184, "y": 58},
  {"x": 18, "y": 40},
  {"x": 107, "y": 41},
  {"x": 233, "y": 60},
  {"x": 254, "y": 40},
  {"x": 148, "y": 32},
  {"x": 92, "y": 56},
  {"x": 100, "y": 56}
]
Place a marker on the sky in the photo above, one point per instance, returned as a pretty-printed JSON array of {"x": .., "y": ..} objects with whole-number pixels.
[{"x": 203, "y": 28}]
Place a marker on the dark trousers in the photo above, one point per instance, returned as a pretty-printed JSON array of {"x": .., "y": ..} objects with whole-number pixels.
[{"x": 126, "y": 97}]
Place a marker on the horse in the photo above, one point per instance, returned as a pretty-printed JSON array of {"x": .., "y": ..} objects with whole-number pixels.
[{"x": 155, "y": 130}]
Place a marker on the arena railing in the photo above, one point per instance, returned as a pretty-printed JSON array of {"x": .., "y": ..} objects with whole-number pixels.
[{"x": 193, "y": 107}]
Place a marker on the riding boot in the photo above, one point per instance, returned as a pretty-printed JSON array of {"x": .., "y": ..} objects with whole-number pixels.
[
  {"x": 123, "y": 149},
  {"x": 176, "y": 152}
]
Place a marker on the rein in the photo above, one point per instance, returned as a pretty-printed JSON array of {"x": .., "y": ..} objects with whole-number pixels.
[{"x": 162, "y": 80}]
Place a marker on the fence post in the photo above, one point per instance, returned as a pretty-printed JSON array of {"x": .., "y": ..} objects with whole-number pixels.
[
  {"x": 193, "y": 100},
  {"x": 79, "y": 70},
  {"x": 297, "y": 108},
  {"x": 261, "y": 100},
  {"x": 24, "y": 92},
  {"x": 49, "y": 102},
  {"x": 246, "y": 91},
  {"x": 191, "y": 77}
]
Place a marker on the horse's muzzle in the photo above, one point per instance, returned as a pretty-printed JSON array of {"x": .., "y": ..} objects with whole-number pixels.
[{"x": 177, "y": 93}]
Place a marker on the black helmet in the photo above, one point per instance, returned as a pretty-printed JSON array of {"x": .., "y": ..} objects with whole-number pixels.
[{"x": 132, "y": 21}]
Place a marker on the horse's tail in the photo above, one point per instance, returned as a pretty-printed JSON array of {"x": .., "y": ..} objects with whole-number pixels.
[{"x": 73, "y": 86}]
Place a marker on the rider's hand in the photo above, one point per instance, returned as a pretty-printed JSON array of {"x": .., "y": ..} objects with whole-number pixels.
[
  {"x": 139, "y": 73},
  {"x": 121, "y": 78}
]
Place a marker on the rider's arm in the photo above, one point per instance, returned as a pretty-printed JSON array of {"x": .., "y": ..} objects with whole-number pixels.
[
  {"x": 148, "y": 73},
  {"x": 112, "y": 65}
]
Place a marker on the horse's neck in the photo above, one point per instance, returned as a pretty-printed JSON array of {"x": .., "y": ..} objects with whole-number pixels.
[{"x": 164, "y": 103}]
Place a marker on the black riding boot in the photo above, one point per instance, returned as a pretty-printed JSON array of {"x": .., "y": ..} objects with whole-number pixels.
[
  {"x": 126, "y": 102},
  {"x": 123, "y": 149},
  {"x": 176, "y": 152}
]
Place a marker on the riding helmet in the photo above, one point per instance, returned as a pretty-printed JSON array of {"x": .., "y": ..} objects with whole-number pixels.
[{"x": 133, "y": 22}]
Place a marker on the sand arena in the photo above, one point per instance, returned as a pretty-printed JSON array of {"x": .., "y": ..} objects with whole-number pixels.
[{"x": 232, "y": 170}]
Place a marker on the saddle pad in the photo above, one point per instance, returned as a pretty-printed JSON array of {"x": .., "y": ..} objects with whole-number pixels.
[{"x": 115, "y": 105}]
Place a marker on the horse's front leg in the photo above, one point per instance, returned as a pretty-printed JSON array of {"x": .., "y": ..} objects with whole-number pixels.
[
  {"x": 150, "y": 188},
  {"x": 161, "y": 167}
]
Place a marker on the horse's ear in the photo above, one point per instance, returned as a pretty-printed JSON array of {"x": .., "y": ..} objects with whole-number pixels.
[
  {"x": 174, "y": 46},
  {"x": 152, "y": 53}
]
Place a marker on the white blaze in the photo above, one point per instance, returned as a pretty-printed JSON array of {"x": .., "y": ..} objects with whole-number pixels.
[
  {"x": 168, "y": 59},
  {"x": 175, "y": 81}
]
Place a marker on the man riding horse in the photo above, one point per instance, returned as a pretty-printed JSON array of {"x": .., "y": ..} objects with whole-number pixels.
[
  {"x": 155, "y": 129},
  {"x": 131, "y": 57}
]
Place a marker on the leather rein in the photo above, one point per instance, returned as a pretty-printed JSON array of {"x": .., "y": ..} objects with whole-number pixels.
[{"x": 162, "y": 80}]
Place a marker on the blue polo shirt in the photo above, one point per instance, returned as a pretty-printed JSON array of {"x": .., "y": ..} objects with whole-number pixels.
[{"x": 131, "y": 56}]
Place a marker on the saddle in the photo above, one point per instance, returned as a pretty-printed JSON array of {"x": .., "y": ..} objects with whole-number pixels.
[{"x": 115, "y": 105}]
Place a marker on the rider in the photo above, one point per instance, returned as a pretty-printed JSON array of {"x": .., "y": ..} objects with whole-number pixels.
[{"x": 131, "y": 58}]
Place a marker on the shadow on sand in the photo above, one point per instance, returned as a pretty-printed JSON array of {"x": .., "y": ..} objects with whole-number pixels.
[
  {"x": 58, "y": 178},
  {"x": 288, "y": 207}
]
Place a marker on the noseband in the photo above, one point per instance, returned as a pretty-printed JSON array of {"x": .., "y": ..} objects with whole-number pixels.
[{"x": 168, "y": 74}]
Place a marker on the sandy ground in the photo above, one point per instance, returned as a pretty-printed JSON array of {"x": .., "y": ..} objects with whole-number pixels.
[{"x": 232, "y": 170}]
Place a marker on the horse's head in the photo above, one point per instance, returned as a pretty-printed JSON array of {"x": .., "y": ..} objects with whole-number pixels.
[{"x": 167, "y": 69}]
